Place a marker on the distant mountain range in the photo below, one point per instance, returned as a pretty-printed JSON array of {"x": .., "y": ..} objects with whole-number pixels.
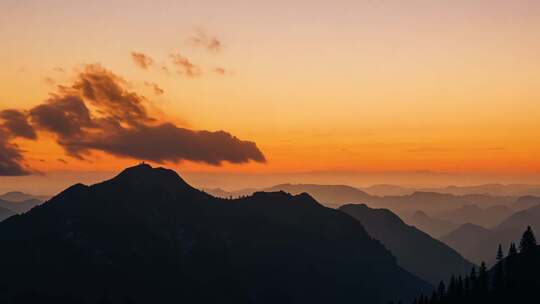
[
  {"x": 17, "y": 196},
  {"x": 337, "y": 195},
  {"x": 20, "y": 207},
  {"x": 478, "y": 243},
  {"x": 500, "y": 190},
  {"x": 18, "y": 202},
  {"x": 146, "y": 236},
  {"x": 487, "y": 189},
  {"x": 415, "y": 250},
  {"x": 486, "y": 217},
  {"x": 432, "y": 226},
  {"x": 526, "y": 202}
]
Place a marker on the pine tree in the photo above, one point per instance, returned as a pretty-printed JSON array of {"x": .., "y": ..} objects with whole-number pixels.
[
  {"x": 473, "y": 279},
  {"x": 498, "y": 275},
  {"x": 500, "y": 255},
  {"x": 483, "y": 277},
  {"x": 528, "y": 244},
  {"x": 460, "y": 288},
  {"x": 512, "y": 251}
]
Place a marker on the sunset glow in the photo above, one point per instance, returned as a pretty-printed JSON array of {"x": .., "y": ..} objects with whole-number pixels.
[{"x": 363, "y": 87}]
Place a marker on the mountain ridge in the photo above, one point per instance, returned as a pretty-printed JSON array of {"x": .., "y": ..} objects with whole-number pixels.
[{"x": 157, "y": 239}]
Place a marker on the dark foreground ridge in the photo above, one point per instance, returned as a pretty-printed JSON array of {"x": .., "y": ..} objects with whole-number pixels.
[{"x": 146, "y": 236}]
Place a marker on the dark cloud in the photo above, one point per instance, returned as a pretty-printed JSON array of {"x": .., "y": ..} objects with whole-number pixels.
[
  {"x": 142, "y": 60},
  {"x": 99, "y": 113},
  {"x": 155, "y": 88},
  {"x": 16, "y": 123},
  {"x": 107, "y": 92},
  {"x": 66, "y": 116},
  {"x": 10, "y": 158},
  {"x": 185, "y": 66},
  {"x": 167, "y": 142},
  {"x": 201, "y": 39}
]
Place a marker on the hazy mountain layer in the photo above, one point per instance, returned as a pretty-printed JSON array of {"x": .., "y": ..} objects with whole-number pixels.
[{"x": 415, "y": 250}]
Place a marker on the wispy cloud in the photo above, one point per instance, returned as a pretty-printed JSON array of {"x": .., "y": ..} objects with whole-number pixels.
[
  {"x": 142, "y": 60},
  {"x": 155, "y": 88},
  {"x": 185, "y": 66},
  {"x": 204, "y": 40}
]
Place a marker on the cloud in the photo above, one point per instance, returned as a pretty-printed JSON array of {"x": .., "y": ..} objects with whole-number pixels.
[
  {"x": 155, "y": 87},
  {"x": 106, "y": 91},
  {"x": 10, "y": 158},
  {"x": 167, "y": 142},
  {"x": 142, "y": 60},
  {"x": 64, "y": 115},
  {"x": 185, "y": 66},
  {"x": 16, "y": 123},
  {"x": 220, "y": 71},
  {"x": 98, "y": 112},
  {"x": 201, "y": 39}
]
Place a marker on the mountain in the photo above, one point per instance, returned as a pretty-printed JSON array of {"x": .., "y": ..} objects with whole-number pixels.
[
  {"x": 478, "y": 244},
  {"x": 487, "y": 217},
  {"x": 385, "y": 189},
  {"x": 218, "y": 192},
  {"x": 521, "y": 219},
  {"x": 526, "y": 202},
  {"x": 17, "y": 196},
  {"x": 493, "y": 189},
  {"x": 146, "y": 236},
  {"x": 500, "y": 190},
  {"x": 431, "y": 226},
  {"x": 513, "y": 279},
  {"x": 20, "y": 206},
  {"x": 5, "y": 213},
  {"x": 330, "y": 195},
  {"x": 337, "y": 195},
  {"x": 469, "y": 239},
  {"x": 415, "y": 250},
  {"x": 426, "y": 201}
]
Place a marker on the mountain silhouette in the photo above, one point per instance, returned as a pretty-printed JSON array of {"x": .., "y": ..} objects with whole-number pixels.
[
  {"x": 331, "y": 195},
  {"x": 415, "y": 250},
  {"x": 149, "y": 237},
  {"x": 328, "y": 195}
]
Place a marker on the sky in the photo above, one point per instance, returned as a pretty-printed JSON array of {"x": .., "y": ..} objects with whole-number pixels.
[{"x": 357, "y": 92}]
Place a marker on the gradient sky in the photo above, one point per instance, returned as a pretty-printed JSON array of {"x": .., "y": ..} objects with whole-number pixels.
[{"x": 363, "y": 87}]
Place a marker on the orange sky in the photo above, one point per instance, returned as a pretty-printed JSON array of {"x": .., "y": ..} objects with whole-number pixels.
[{"x": 343, "y": 86}]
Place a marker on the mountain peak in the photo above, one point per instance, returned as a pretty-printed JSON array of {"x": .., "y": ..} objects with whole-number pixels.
[{"x": 145, "y": 171}]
